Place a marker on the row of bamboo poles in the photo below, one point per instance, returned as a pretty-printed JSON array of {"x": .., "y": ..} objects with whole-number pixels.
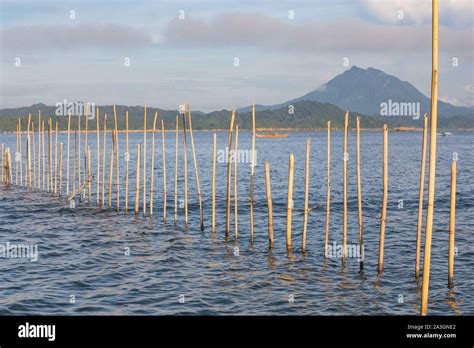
[{"x": 49, "y": 177}]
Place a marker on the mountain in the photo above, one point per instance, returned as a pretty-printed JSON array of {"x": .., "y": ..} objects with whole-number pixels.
[{"x": 364, "y": 90}]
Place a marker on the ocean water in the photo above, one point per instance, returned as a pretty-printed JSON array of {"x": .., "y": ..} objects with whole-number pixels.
[{"x": 94, "y": 261}]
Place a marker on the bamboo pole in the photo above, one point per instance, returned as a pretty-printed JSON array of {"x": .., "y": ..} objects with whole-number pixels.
[
  {"x": 420, "y": 196},
  {"x": 359, "y": 195},
  {"x": 144, "y": 161},
  {"x": 236, "y": 209},
  {"x": 185, "y": 164},
  {"x": 229, "y": 175},
  {"x": 56, "y": 160},
  {"x": 34, "y": 154},
  {"x": 43, "y": 155},
  {"x": 104, "y": 153},
  {"x": 67, "y": 156},
  {"x": 452, "y": 223},
  {"x": 89, "y": 178},
  {"x": 345, "y": 160},
  {"x": 111, "y": 167},
  {"x": 137, "y": 186},
  {"x": 152, "y": 179},
  {"x": 213, "y": 221},
  {"x": 163, "y": 155},
  {"x": 97, "y": 135},
  {"x": 86, "y": 147},
  {"x": 127, "y": 160},
  {"x": 50, "y": 152},
  {"x": 269, "y": 205},
  {"x": 289, "y": 205},
  {"x": 176, "y": 174},
  {"x": 383, "y": 218},
  {"x": 74, "y": 165},
  {"x": 9, "y": 166},
  {"x": 328, "y": 192},
  {"x": 3, "y": 162},
  {"x": 196, "y": 172},
  {"x": 432, "y": 165},
  {"x": 17, "y": 149},
  {"x": 60, "y": 169},
  {"x": 117, "y": 162},
  {"x": 28, "y": 154},
  {"x": 306, "y": 196},
  {"x": 252, "y": 175},
  {"x": 79, "y": 182},
  {"x": 21, "y": 152}
]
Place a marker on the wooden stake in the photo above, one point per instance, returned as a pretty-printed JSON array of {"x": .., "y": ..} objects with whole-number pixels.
[
  {"x": 28, "y": 154},
  {"x": 67, "y": 157},
  {"x": 21, "y": 152},
  {"x": 137, "y": 186},
  {"x": 127, "y": 160},
  {"x": 269, "y": 205},
  {"x": 97, "y": 135},
  {"x": 420, "y": 196},
  {"x": 60, "y": 169},
  {"x": 345, "y": 160},
  {"x": 163, "y": 155},
  {"x": 289, "y": 205},
  {"x": 252, "y": 175},
  {"x": 236, "y": 210},
  {"x": 359, "y": 195},
  {"x": 50, "y": 150},
  {"x": 432, "y": 165},
  {"x": 383, "y": 218},
  {"x": 117, "y": 162},
  {"x": 17, "y": 149},
  {"x": 34, "y": 155},
  {"x": 196, "y": 172},
  {"x": 144, "y": 161},
  {"x": 89, "y": 178},
  {"x": 43, "y": 155},
  {"x": 213, "y": 221},
  {"x": 111, "y": 168},
  {"x": 306, "y": 196},
  {"x": 74, "y": 165},
  {"x": 452, "y": 223},
  {"x": 152, "y": 181},
  {"x": 328, "y": 192},
  {"x": 229, "y": 175},
  {"x": 185, "y": 160},
  {"x": 79, "y": 181},
  {"x": 176, "y": 175},
  {"x": 3, "y": 162},
  {"x": 86, "y": 149},
  {"x": 56, "y": 160},
  {"x": 104, "y": 153}
]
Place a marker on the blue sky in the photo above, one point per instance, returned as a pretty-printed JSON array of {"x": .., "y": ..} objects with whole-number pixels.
[{"x": 192, "y": 59}]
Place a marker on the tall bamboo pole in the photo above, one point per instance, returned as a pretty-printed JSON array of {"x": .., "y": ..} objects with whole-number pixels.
[
  {"x": 17, "y": 151},
  {"x": 28, "y": 153},
  {"x": 86, "y": 147},
  {"x": 306, "y": 196},
  {"x": 152, "y": 179},
  {"x": 111, "y": 167},
  {"x": 196, "y": 172},
  {"x": 60, "y": 169},
  {"x": 43, "y": 156},
  {"x": 137, "y": 186},
  {"x": 213, "y": 221},
  {"x": 289, "y": 204},
  {"x": 383, "y": 217},
  {"x": 56, "y": 159},
  {"x": 50, "y": 150},
  {"x": 79, "y": 182},
  {"x": 117, "y": 162},
  {"x": 432, "y": 165},
  {"x": 229, "y": 175},
  {"x": 38, "y": 186},
  {"x": 21, "y": 152},
  {"x": 104, "y": 153},
  {"x": 420, "y": 196},
  {"x": 74, "y": 165},
  {"x": 345, "y": 160},
  {"x": 185, "y": 164},
  {"x": 328, "y": 192},
  {"x": 176, "y": 174},
  {"x": 89, "y": 178},
  {"x": 252, "y": 175},
  {"x": 236, "y": 209},
  {"x": 67, "y": 156},
  {"x": 144, "y": 161},
  {"x": 269, "y": 205},
  {"x": 127, "y": 160},
  {"x": 34, "y": 155},
  {"x": 359, "y": 195},
  {"x": 452, "y": 223},
  {"x": 97, "y": 135},
  {"x": 3, "y": 162},
  {"x": 163, "y": 156}
]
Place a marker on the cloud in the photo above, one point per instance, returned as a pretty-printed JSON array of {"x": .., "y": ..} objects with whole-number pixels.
[
  {"x": 454, "y": 13},
  {"x": 340, "y": 36},
  {"x": 42, "y": 37}
]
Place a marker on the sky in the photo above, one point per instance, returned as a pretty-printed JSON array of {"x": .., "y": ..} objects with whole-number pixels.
[{"x": 220, "y": 54}]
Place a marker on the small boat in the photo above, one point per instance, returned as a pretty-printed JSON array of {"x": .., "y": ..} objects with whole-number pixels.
[
  {"x": 272, "y": 135},
  {"x": 443, "y": 134}
]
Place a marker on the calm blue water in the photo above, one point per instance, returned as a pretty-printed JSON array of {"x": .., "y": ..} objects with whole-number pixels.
[{"x": 82, "y": 251}]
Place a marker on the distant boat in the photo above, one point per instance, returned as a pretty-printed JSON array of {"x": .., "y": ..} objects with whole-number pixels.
[
  {"x": 443, "y": 134},
  {"x": 272, "y": 135}
]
